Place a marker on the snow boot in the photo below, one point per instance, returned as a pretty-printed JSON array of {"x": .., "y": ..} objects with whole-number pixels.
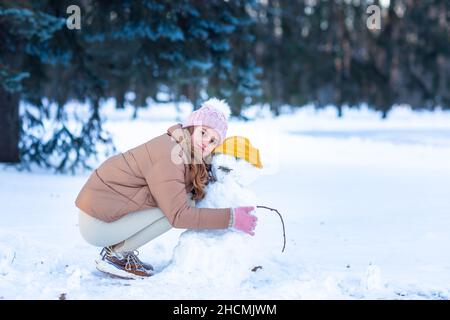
[
  {"x": 110, "y": 250},
  {"x": 125, "y": 265}
]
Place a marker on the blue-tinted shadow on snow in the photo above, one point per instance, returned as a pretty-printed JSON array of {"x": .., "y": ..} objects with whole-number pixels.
[{"x": 425, "y": 136}]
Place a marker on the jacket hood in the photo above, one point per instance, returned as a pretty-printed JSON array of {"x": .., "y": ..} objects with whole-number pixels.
[{"x": 176, "y": 132}]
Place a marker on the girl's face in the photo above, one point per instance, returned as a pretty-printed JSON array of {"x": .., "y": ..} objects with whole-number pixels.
[{"x": 204, "y": 139}]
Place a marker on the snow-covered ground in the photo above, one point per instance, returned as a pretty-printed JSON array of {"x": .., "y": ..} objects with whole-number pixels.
[{"x": 366, "y": 204}]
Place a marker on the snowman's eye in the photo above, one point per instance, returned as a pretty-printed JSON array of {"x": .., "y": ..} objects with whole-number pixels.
[{"x": 224, "y": 169}]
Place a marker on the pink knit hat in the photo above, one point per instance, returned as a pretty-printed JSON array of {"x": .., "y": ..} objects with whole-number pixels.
[{"x": 213, "y": 113}]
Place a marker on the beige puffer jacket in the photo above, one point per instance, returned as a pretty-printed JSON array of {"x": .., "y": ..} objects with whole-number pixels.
[{"x": 145, "y": 177}]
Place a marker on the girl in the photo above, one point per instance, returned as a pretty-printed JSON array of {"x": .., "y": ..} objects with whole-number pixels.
[{"x": 135, "y": 196}]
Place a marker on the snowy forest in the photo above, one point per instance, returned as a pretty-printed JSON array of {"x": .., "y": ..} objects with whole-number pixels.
[
  {"x": 249, "y": 52},
  {"x": 347, "y": 103}
]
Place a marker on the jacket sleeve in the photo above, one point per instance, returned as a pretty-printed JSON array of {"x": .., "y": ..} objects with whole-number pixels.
[{"x": 167, "y": 186}]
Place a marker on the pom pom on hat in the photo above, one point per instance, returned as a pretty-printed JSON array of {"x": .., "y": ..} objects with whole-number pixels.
[{"x": 219, "y": 105}]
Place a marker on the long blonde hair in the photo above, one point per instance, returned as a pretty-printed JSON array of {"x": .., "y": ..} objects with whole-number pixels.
[{"x": 199, "y": 169}]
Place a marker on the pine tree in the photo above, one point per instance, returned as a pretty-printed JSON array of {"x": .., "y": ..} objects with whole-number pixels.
[
  {"x": 189, "y": 49},
  {"x": 24, "y": 32},
  {"x": 56, "y": 69},
  {"x": 322, "y": 52}
]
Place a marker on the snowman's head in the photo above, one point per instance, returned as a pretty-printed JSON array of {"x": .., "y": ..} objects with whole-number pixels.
[
  {"x": 236, "y": 159},
  {"x": 225, "y": 167}
]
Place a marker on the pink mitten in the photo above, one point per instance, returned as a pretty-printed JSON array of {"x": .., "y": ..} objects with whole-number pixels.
[{"x": 243, "y": 220}]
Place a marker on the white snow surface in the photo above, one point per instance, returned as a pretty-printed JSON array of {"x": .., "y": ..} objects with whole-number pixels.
[{"x": 365, "y": 203}]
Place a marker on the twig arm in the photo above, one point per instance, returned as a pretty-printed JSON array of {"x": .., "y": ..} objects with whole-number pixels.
[{"x": 282, "y": 222}]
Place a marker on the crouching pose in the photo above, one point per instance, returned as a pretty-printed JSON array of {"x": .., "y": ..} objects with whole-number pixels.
[{"x": 135, "y": 196}]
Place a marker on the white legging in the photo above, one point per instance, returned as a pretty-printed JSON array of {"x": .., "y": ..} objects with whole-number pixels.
[
  {"x": 131, "y": 231},
  {"x": 134, "y": 229}
]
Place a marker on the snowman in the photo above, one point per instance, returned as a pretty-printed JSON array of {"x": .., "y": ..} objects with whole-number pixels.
[
  {"x": 227, "y": 256},
  {"x": 235, "y": 166}
]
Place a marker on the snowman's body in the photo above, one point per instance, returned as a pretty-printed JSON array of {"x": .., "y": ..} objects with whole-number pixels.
[
  {"x": 231, "y": 183},
  {"x": 222, "y": 255}
]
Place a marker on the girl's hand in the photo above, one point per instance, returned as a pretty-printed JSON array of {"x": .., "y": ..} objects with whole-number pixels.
[{"x": 243, "y": 220}]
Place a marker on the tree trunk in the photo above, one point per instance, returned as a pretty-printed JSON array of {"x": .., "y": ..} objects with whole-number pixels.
[
  {"x": 340, "y": 112},
  {"x": 9, "y": 127}
]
